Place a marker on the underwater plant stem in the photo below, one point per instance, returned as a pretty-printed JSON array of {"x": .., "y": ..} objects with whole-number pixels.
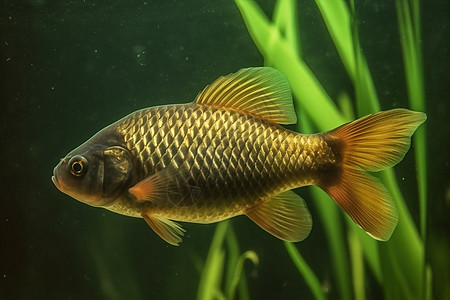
[
  {"x": 408, "y": 15},
  {"x": 277, "y": 50},
  {"x": 238, "y": 270},
  {"x": 403, "y": 255},
  {"x": 209, "y": 286},
  {"x": 365, "y": 92},
  {"x": 337, "y": 19},
  {"x": 340, "y": 20},
  {"x": 357, "y": 259},
  {"x": 334, "y": 231},
  {"x": 286, "y": 20},
  {"x": 305, "y": 271},
  {"x": 233, "y": 266}
]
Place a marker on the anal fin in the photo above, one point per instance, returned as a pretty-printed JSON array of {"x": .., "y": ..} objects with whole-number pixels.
[
  {"x": 285, "y": 216},
  {"x": 168, "y": 230}
]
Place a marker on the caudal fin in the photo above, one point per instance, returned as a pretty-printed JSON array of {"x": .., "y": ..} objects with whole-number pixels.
[{"x": 371, "y": 143}]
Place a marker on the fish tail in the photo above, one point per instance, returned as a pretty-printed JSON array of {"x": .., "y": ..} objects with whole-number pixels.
[{"x": 372, "y": 143}]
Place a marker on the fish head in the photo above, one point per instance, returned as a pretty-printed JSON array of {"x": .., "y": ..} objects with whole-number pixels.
[{"x": 94, "y": 174}]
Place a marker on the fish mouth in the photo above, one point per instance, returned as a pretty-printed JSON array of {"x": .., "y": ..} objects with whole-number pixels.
[{"x": 56, "y": 183}]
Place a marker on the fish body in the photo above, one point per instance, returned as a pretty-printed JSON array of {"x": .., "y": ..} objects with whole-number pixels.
[
  {"x": 221, "y": 162},
  {"x": 225, "y": 155}
]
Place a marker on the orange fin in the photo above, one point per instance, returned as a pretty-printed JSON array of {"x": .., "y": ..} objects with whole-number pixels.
[
  {"x": 284, "y": 216},
  {"x": 372, "y": 143},
  {"x": 378, "y": 141},
  {"x": 155, "y": 187},
  {"x": 366, "y": 201},
  {"x": 168, "y": 230},
  {"x": 263, "y": 92}
]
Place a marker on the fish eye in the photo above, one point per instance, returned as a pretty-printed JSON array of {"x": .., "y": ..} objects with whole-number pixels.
[{"x": 78, "y": 165}]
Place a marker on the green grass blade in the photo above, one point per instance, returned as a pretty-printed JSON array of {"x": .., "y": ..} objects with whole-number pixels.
[
  {"x": 277, "y": 50},
  {"x": 408, "y": 15},
  {"x": 357, "y": 259},
  {"x": 337, "y": 19},
  {"x": 211, "y": 276},
  {"x": 232, "y": 265},
  {"x": 232, "y": 256},
  {"x": 408, "y": 20},
  {"x": 402, "y": 256},
  {"x": 366, "y": 96},
  {"x": 341, "y": 24},
  {"x": 238, "y": 270},
  {"x": 305, "y": 271},
  {"x": 331, "y": 219},
  {"x": 286, "y": 20}
]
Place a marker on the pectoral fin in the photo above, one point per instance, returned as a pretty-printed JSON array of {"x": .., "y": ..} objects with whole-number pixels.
[
  {"x": 284, "y": 216},
  {"x": 168, "y": 230},
  {"x": 156, "y": 186}
]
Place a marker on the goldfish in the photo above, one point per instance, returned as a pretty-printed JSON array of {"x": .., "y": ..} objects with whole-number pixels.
[{"x": 227, "y": 154}]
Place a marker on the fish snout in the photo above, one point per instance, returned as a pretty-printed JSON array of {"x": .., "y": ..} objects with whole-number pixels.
[{"x": 56, "y": 172}]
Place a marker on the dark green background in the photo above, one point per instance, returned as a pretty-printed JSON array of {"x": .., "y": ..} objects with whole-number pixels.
[{"x": 69, "y": 68}]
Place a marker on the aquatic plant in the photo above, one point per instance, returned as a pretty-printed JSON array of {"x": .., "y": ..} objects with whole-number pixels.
[
  {"x": 398, "y": 265},
  {"x": 219, "y": 280}
]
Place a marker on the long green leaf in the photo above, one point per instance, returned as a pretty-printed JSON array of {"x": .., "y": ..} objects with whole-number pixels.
[
  {"x": 408, "y": 23},
  {"x": 305, "y": 270},
  {"x": 332, "y": 222},
  {"x": 304, "y": 84},
  {"x": 403, "y": 255},
  {"x": 233, "y": 267},
  {"x": 356, "y": 255},
  {"x": 210, "y": 280}
]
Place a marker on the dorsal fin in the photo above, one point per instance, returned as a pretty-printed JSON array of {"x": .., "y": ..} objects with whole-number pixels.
[{"x": 263, "y": 92}]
